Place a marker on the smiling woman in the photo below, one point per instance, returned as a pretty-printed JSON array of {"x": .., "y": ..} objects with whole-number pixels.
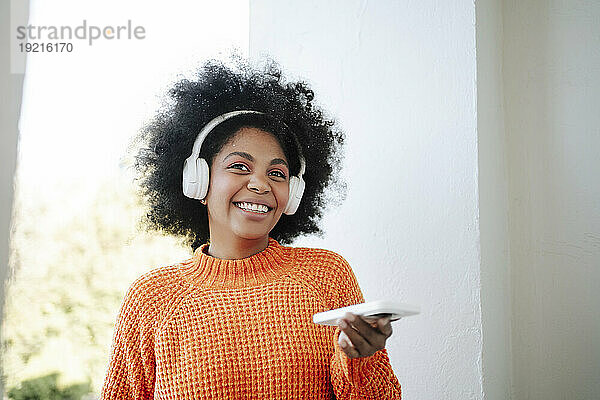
[{"x": 232, "y": 320}]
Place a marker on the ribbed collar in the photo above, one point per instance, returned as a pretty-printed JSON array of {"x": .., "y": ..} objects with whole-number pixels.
[{"x": 207, "y": 271}]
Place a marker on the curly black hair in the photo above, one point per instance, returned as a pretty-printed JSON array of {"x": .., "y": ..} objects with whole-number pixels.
[{"x": 217, "y": 89}]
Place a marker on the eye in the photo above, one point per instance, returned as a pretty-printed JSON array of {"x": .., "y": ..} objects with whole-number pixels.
[
  {"x": 239, "y": 166},
  {"x": 277, "y": 173}
]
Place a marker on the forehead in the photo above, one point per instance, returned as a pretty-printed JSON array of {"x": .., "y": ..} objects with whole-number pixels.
[{"x": 255, "y": 140}]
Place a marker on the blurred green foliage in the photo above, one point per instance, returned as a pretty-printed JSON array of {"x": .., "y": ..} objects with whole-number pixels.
[
  {"x": 75, "y": 249},
  {"x": 47, "y": 388}
]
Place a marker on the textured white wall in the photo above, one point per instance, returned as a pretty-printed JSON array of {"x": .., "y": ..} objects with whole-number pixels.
[
  {"x": 400, "y": 77},
  {"x": 493, "y": 203},
  {"x": 552, "y": 92}
]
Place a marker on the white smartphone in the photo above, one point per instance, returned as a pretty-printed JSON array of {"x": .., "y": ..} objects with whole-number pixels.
[{"x": 369, "y": 311}]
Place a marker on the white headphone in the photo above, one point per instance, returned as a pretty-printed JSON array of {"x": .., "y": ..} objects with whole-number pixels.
[{"x": 196, "y": 172}]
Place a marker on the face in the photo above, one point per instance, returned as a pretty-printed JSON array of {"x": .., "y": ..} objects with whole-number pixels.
[{"x": 249, "y": 186}]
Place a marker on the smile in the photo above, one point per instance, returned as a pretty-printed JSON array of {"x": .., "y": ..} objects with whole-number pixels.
[{"x": 251, "y": 207}]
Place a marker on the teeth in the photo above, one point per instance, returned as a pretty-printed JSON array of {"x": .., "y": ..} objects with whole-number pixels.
[{"x": 253, "y": 207}]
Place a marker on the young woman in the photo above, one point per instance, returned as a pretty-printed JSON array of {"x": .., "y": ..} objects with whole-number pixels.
[{"x": 238, "y": 165}]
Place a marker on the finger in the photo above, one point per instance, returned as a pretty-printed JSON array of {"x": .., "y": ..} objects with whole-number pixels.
[
  {"x": 358, "y": 341},
  {"x": 343, "y": 340},
  {"x": 370, "y": 333},
  {"x": 350, "y": 351},
  {"x": 346, "y": 346}
]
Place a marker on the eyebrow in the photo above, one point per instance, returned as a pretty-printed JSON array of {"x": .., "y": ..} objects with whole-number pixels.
[{"x": 249, "y": 157}]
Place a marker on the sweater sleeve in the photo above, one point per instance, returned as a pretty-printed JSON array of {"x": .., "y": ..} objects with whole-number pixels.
[
  {"x": 131, "y": 368},
  {"x": 359, "y": 378}
]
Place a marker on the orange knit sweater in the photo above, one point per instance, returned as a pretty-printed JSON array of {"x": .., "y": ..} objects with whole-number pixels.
[{"x": 210, "y": 328}]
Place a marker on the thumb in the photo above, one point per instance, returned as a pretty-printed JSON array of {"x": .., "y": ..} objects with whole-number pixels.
[{"x": 383, "y": 322}]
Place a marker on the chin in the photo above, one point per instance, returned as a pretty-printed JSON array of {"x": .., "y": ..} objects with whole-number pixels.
[
  {"x": 252, "y": 234},
  {"x": 250, "y": 231}
]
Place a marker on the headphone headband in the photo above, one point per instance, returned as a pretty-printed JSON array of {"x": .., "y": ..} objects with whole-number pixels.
[{"x": 212, "y": 124}]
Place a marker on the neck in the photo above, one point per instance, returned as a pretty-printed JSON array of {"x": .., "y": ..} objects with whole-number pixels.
[{"x": 236, "y": 248}]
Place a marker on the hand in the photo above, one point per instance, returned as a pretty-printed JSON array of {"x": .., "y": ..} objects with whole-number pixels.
[{"x": 363, "y": 339}]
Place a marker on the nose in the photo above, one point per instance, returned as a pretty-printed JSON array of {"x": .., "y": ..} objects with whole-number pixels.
[{"x": 258, "y": 184}]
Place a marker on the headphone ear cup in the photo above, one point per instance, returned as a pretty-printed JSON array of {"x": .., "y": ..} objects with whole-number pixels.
[
  {"x": 195, "y": 178},
  {"x": 203, "y": 178},
  {"x": 190, "y": 178},
  {"x": 295, "y": 195}
]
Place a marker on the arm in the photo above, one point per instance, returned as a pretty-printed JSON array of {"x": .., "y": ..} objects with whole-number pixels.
[
  {"x": 131, "y": 368},
  {"x": 359, "y": 378}
]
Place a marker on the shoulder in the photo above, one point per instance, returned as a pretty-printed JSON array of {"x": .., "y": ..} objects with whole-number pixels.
[
  {"x": 154, "y": 291},
  {"x": 154, "y": 281},
  {"x": 321, "y": 259},
  {"x": 324, "y": 271}
]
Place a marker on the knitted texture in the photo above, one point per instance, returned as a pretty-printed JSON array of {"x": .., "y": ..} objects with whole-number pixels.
[{"x": 210, "y": 328}]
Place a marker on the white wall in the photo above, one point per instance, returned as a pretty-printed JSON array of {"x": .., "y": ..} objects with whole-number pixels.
[
  {"x": 552, "y": 92},
  {"x": 400, "y": 77},
  {"x": 493, "y": 203}
]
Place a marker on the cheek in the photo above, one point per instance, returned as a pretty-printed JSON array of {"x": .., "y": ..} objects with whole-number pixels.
[
  {"x": 283, "y": 195},
  {"x": 222, "y": 186}
]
